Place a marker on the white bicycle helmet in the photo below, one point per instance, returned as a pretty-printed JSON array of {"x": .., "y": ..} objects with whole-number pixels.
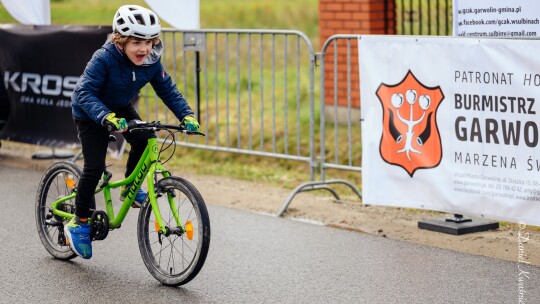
[{"x": 136, "y": 21}]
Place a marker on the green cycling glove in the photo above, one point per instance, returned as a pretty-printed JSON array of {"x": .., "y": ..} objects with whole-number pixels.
[
  {"x": 119, "y": 124},
  {"x": 192, "y": 125}
]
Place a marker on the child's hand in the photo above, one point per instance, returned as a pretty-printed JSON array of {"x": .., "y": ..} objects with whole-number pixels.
[
  {"x": 118, "y": 124},
  {"x": 192, "y": 125}
]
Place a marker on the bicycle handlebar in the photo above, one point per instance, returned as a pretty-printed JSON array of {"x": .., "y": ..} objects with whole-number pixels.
[
  {"x": 157, "y": 126},
  {"x": 135, "y": 125}
]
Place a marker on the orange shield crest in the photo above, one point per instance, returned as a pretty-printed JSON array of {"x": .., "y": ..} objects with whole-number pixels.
[{"x": 410, "y": 137}]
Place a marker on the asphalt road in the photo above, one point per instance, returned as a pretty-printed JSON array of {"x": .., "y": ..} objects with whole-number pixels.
[{"x": 253, "y": 258}]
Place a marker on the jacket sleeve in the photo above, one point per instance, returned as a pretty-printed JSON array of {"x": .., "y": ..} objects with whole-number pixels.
[
  {"x": 168, "y": 92},
  {"x": 91, "y": 83}
]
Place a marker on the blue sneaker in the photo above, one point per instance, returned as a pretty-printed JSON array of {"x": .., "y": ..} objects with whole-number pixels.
[
  {"x": 78, "y": 235},
  {"x": 139, "y": 197}
]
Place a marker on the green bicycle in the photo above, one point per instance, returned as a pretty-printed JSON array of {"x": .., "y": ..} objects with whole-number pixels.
[{"x": 173, "y": 228}]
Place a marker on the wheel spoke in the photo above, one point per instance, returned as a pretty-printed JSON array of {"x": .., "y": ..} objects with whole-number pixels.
[
  {"x": 182, "y": 255},
  {"x": 186, "y": 244},
  {"x": 161, "y": 250},
  {"x": 169, "y": 262}
]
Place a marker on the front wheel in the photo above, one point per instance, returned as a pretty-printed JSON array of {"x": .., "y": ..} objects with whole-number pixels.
[
  {"x": 59, "y": 181},
  {"x": 177, "y": 258}
]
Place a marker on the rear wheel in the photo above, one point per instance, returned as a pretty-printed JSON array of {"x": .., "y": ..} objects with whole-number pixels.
[
  {"x": 59, "y": 181},
  {"x": 177, "y": 258}
]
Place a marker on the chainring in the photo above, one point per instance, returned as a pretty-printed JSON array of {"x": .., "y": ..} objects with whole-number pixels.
[{"x": 100, "y": 225}]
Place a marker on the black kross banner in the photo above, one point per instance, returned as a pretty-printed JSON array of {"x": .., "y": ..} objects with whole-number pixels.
[{"x": 39, "y": 67}]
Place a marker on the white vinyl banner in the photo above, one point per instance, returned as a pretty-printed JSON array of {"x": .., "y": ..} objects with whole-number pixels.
[
  {"x": 182, "y": 14},
  {"x": 452, "y": 124},
  {"x": 496, "y": 18},
  {"x": 35, "y": 12}
]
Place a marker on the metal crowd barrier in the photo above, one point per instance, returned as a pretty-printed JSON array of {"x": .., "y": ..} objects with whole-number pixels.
[
  {"x": 252, "y": 87},
  {"x": 341, "y": 107}
]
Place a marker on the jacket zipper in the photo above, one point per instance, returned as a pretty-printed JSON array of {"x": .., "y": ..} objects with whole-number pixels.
[{"x": 133, "y": 73}]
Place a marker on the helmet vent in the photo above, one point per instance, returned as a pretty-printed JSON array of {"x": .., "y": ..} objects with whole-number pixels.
[{"x": 139, "y": 19}]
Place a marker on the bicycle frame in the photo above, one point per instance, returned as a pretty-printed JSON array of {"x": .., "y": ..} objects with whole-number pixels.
[{"x": 147, "y": 167}]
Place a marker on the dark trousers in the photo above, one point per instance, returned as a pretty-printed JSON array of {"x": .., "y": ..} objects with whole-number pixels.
[{"x": 95, "y": 139}]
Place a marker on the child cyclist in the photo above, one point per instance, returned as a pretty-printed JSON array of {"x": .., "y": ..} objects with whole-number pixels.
[{"x": 129, "y": 59}]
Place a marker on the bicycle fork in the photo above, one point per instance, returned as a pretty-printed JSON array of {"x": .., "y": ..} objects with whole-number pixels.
[{"x": 161, "y": 227}]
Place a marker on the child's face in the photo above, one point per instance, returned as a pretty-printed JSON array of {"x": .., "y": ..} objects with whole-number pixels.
[{"x": 137, "y": 50}]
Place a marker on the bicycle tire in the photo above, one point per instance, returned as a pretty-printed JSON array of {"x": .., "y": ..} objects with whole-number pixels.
[
  {"x": 58, "y": 181},
  {"x": 186, "y": 256}
]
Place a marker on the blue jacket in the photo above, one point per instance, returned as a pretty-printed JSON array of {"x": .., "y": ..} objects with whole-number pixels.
[{"x": 110, "y": 81}]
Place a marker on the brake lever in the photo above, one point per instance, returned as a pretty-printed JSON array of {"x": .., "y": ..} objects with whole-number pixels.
[{"x": 192, "y": 132}]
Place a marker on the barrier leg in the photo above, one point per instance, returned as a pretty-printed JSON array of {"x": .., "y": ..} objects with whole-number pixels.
[
  {"x": 320, "y": 185},
  {"x": 323, "y": 187}
]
